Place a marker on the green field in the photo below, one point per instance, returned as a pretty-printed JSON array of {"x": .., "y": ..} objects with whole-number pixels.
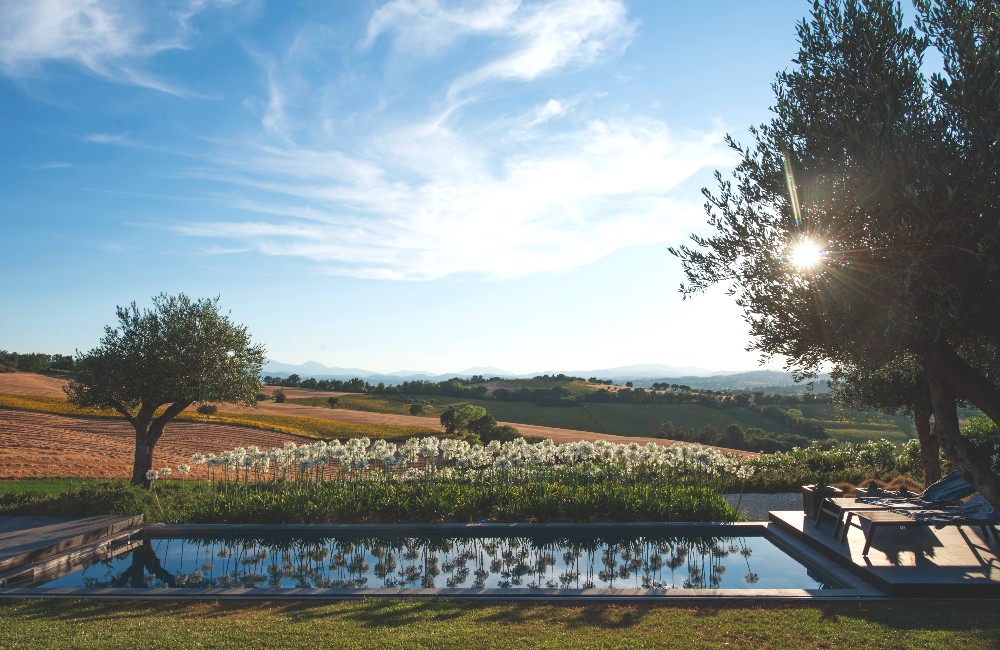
[
  {"x": 40, "y": 485},
  {"x": 852, "y": 425},
  {"x": 371, "y": 403},
  {"x": 443, "y": 623},
  {"x": 842, "y": 424},
  {"x": 623, "y": 419}
]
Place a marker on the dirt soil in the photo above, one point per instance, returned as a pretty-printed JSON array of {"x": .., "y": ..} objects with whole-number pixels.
[
  {"x": 40, "y": 445},
  {"x": 43, "y": 445},
  {"x": 28, "y": 383}
]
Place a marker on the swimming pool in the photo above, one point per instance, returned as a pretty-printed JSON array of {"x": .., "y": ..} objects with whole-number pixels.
[{"x": 501, "y": 559}]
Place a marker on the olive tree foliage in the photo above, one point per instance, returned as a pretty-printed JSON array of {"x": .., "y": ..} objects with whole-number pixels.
[
  {"x": 896, "y": 178},
  {"x": 172, "y": 355},
  {"x": 899, "y": 387}
]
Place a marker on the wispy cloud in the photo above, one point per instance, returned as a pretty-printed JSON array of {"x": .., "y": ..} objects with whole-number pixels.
[
  {"x": 455, "y": 185},
  {"x": 50, "y": 165},
  {"x": 107, "y": 138},
  {"x": 111, "y": 247},
  {"x": 111, "y": 39},
  {"x": 403, "y": 214},
  {"x": 534, "y": 39}
]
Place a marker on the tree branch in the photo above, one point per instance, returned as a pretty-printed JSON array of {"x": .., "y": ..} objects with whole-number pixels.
[{"x": 966, "y": 380}]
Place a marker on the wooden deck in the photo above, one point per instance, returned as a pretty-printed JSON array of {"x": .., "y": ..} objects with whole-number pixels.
[
  {"x": 953, "y": 562},
  {"x": 28, "y": 540}
]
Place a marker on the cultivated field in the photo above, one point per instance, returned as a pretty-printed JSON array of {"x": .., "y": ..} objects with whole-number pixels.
[
  {"x": 41, "y": 445},
  {"x": 31, "y": 384},
  {"x": 35, "y": 445}
]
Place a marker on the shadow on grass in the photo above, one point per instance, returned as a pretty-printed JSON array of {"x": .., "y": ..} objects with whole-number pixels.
[{"x": 902, "y": 616}]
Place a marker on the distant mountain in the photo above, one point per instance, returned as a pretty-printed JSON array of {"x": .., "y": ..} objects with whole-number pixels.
[
  {"x": 646, "y": 371},
  {"x": 768, "y": 381},
  {"x": 485, "y": 371},
  {"x": 643, "y": 375},
  {"x": 312, "y": 369}
]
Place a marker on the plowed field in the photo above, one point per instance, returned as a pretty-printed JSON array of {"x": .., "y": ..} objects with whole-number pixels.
[{"x": 36, "y": 445}]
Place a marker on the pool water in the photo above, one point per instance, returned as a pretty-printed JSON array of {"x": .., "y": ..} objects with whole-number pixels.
[{"x": 464, "y": 562}]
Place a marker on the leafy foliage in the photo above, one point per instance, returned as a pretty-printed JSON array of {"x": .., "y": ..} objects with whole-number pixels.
[
  {"x": 896, "y": 184},
  {"x": 208, "y": 410},
  {"x": 177, "y": 353}
]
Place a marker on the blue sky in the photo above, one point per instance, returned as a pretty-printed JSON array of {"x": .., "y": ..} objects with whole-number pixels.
[{"x": 415, "y": 184}]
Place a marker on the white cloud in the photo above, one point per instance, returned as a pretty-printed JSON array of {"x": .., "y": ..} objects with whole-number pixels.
[
  {"x": 455, "y": 185},
  {"x": 107, "y": 138},
  {"x": 50, "y": 165},
  {"x": 425, "y": 27},
  {"x": 536, "y": 38},
  {"x": 112, "y": 39},
  {"x": 460, "y": 207},
  {"x": 553, "y": 36}
]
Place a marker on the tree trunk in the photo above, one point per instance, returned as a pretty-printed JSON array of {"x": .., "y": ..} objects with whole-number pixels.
[
  {"x": 967, "y": 382},
  {"x": 143, "y": 460},
  {"x": 147, "y": 433},
  {"x": 970, "y": 465},
  {"x": 930, "y": 447}
]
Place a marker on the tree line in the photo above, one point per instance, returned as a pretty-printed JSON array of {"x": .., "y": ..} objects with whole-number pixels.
[{"x": 34, "y": 362}]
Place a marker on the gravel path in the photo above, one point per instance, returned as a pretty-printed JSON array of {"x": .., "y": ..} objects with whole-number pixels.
[{"x": 756, "y": 506}]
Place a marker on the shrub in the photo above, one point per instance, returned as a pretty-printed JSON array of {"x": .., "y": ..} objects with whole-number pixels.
[
  {"x": 984, "y": 435},
  {"x": 208, "y": 410},
  {"x": 279, "y": 396}
]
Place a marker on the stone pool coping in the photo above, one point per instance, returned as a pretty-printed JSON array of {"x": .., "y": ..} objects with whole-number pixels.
[{"x": 856, "y": 590}]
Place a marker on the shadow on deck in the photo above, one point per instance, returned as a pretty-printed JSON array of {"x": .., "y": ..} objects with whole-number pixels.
[{"x": 953, "y": 562}]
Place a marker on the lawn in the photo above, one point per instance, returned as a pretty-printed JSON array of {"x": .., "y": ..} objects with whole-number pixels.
[{"x": 441, "y": 623}]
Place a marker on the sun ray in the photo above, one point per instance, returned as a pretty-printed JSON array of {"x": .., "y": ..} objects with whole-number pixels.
[{"x": 806, "y": 254}]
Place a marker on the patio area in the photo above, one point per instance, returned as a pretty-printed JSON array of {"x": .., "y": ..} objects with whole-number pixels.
[{"x": 923, "y": 561}]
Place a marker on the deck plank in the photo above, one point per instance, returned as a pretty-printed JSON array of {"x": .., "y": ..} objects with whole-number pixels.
[{"x": 32, "y": 538}]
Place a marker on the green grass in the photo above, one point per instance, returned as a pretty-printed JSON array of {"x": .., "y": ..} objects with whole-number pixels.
[
  {"x": 171, "y": 501},
  {"x": 371, "y": 404},
  {"x": 848, "y": 425},
  {"x": 441, "y": 623},
  {"x": 641, "y": 419},
  {"x": 431, "y": 499},
  {"x": 40, "y": 485},
  {"x": 851, "y": 425},
  {"x": 624, "y": 419}
]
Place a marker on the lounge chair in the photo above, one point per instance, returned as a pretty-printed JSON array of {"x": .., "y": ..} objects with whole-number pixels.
[
  {"x": 977, "y": 511},
  {"x": 949, "y": 490}
]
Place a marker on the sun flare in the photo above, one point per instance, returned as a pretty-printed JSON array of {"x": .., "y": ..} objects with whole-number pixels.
[{"x": 806, "y": 254}]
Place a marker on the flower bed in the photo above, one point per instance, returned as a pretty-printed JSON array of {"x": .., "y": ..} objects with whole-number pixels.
[{"x": 431, "y": 479}]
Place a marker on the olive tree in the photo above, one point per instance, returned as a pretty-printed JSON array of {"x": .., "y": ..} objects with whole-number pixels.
[
  {"x": 860, "y": 227},
  {"x": 901, "y": 388},
  {"x": 159, "y": 361}
]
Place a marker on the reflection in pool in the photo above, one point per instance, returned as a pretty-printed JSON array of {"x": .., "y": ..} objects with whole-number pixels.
[{"x": 467, "y": 562}]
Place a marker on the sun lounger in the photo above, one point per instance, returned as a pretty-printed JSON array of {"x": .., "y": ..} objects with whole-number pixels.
[
  {"x": 838, "y": 507},
  {"x": 977, "y": 511},
  {"x": 949, "y": 490}
]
